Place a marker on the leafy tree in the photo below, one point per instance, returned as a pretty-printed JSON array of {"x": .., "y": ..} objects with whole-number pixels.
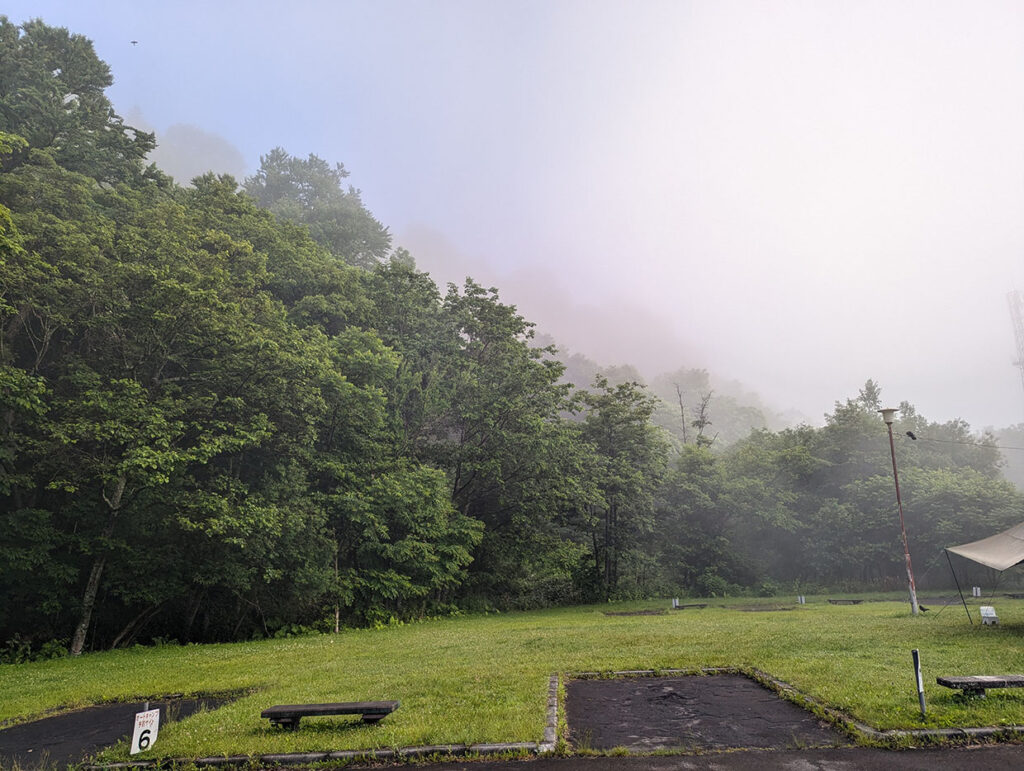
[
  {"x": 499, "y": 434},
  {"x": 52, "y": 94},
  {"x": 133, "y": 401},
  {"x": 631, "y": 456},
  {"x": 403, "y": 547},
  {"x": 309, "y": 191},
  {"x": 347, "y": 454},
  {"x": 695, "y": 531},
  {"x": 827, "y": 511},
  {"x": 474, "y": 397}
]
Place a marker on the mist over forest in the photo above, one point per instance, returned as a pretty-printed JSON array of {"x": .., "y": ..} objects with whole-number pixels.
[
  {"x": 236, "y": 407},
  {"x": 797, "y": 198}
]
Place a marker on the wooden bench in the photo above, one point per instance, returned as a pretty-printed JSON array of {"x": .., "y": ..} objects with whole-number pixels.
[
  {"x": 289, "y": 715},
  {"x": 845, "y": 602},
  {"x": 976, "y": 685}
]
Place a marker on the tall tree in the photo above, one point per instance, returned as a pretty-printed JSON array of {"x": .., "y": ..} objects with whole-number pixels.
[
  {"x": 311, "y": 192},
  {"x": 695, "y": 528},
  {"x": 52, "y": 94},
  {"x": 630, "y": 461}
]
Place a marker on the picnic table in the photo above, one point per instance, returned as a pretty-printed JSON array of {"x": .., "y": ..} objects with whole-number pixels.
[
  {"x": 289, "y": 715},
  {"x": 976, "y": 685}
]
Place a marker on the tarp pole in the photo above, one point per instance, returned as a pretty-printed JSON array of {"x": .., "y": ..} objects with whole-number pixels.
[{"x": 958, "y": 587}]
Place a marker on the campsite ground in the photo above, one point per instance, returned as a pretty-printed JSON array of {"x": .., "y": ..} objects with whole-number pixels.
[
  {"x": 484, "y": 678},
  {"x": 995, "y": 758}
]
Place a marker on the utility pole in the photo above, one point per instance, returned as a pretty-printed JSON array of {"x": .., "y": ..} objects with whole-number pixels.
[{"x": 887, "y": 416}]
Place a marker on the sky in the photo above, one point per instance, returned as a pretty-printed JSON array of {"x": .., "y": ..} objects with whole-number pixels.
[{"x": 796, "y": 195}]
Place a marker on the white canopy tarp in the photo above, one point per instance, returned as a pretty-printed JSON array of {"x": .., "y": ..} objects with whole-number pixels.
[{"x": 1000, "y": 551}]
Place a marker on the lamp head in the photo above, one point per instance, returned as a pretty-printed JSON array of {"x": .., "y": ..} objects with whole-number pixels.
[{"x": 888, "y": 415}]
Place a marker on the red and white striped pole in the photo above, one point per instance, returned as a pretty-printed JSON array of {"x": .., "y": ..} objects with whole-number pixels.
[{"x": 887, "y": 416}]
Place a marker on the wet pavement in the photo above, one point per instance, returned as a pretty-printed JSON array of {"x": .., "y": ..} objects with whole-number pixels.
[
  {"x": 695, "y": 714},
  {"x": 62, "y": 740}
]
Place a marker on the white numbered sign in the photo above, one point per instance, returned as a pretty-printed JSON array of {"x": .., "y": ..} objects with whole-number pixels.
[{"x": 146, "y": 726}]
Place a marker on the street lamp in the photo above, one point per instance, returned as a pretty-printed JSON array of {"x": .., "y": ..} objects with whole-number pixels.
[{"x": 887, "y": 416}]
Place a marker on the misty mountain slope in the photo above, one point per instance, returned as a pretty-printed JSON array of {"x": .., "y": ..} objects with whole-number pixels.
[{"x": 692, "y": 405}]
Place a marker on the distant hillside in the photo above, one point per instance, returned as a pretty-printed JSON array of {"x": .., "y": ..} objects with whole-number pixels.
[{"x": 694, "y": 405}]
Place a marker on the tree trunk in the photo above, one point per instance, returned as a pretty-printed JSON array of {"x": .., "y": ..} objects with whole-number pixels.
[
  {"x": 93, "y": 584},
  {"x": 611, "y": 564},
  {"x": 682, "y": 410},
  {"x": 337, "y": 604},
  {"x": 91, "y": 587},
  {"x": 242, "y": 612},
  {"x": 607, "y": 553},
  {"x": 133, "y": 627},
  {"x": 195, "y": 601}
]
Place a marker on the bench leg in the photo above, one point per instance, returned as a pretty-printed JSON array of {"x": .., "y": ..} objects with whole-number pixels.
[
  {"x": 974, "y": 693},
  {"x": 287, "y": 723},
  {"x": 373, "y": 718}
]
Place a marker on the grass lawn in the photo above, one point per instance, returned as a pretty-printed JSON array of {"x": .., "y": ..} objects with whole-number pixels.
[{"x": 485, "y": 678}]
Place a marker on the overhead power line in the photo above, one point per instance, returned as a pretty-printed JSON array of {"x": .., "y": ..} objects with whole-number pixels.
[{"x": 972, "y": 444}]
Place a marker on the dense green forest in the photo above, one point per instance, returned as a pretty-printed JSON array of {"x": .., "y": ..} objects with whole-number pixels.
[{"x": 233, "y": 409}]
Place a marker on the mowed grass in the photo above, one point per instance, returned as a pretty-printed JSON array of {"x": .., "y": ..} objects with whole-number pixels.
[{"x": 484, "y": 678}]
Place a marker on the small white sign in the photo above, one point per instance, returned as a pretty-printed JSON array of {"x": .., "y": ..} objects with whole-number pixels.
[
  {"x": 988, "y": 615},
  {"x": 146, "y": 726}
]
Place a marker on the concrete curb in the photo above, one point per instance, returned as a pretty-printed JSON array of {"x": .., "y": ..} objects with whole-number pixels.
[
  {"x": 302, "y": 758},
  {"x": 551, "y": 729}
]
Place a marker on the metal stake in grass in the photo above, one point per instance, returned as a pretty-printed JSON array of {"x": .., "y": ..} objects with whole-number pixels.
[{"x": 920, "y": 683}]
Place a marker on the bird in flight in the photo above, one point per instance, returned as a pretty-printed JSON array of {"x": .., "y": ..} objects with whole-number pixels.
[{"x": 135, "y": 42}]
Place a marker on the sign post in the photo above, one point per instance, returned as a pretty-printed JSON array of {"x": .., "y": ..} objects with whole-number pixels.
[{"x": 147, "y": 724}]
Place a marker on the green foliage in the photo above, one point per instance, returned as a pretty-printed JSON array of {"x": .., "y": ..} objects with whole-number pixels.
[
  {"x": 310, "y": 192},
  {"x": 19, "y": 650},
  {"x": 52, "y": 94},
  {"x": 699, "y": 510},
  {"x": 629, "y": 460},
  {"x": 225, "y": 414},
  {"x": 403, "y": 547},
  {"x": 830, "y": 500}
]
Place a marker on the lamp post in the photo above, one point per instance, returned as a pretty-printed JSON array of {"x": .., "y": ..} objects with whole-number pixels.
[{"x": 887, "y": 416}]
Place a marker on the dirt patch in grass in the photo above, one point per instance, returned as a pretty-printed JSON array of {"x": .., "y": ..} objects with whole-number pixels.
[
  {"x": 62, "y": 740},
  {"x": 714, "y": 712}
]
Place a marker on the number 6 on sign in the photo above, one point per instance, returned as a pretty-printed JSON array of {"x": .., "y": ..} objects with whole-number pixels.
[{"x": 146, "y": 726}]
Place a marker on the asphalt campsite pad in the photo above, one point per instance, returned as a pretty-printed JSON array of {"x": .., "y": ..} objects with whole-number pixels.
[
  {"x": 61, "y": 740},
  {"x": 688, "y": 713}
]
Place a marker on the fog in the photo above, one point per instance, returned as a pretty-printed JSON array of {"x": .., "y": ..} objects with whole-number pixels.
[
  {"x": 185, "y": 151},
  {"x": 797, "y": 195}
]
